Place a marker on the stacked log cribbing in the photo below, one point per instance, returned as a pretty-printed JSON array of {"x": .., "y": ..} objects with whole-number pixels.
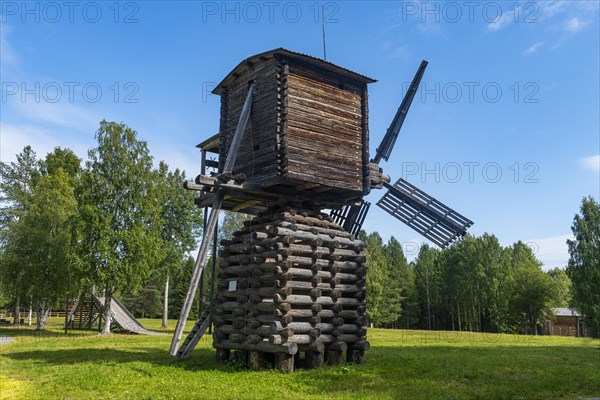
[{"x": 291, "y": 292}]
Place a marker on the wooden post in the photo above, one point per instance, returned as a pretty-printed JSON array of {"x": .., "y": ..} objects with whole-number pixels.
[
  {"x": 200, "y": 295},
  {"x": 81, "y": 311},
  {"x": 313, "y": 359},
  {"x": 91, "y": 313},
  {"x": 212, "y": 274},
  {"x": 241, "y": 356},
  {"x": 255, "y": 360},
  {"x": 284, "y": 362},
  {"x": 223, "y": 355},
  {"x": 334, "y": 357},
  {"x": 211, "y": 226},
  {"x": 355, "y": 356}
]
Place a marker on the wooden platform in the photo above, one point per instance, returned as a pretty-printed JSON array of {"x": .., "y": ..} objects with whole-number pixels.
[{"x": 253, "y": 198}]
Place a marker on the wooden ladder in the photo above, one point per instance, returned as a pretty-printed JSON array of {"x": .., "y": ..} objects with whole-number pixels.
[{"x": 195, "y": 334}]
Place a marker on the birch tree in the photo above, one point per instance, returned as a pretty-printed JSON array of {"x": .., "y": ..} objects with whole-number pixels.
[
  {"x": 120, "y": 213},
  {"x": 45, "y": 243}
]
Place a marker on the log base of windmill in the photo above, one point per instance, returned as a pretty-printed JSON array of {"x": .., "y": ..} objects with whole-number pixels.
[{"x": 291, "y": 293}]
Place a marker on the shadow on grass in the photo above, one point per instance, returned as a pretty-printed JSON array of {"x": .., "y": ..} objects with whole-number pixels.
[
  {"x": 30, "y": 332},
  {"x": 203, "y": 359},
  {"x": 96, "y": 349}
]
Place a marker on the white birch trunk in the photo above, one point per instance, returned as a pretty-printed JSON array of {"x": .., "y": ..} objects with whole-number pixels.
[
  {"x": 165, "y": 315},
  {"x": 41, "y": 316},
  {"x": 107, "y": 313}
]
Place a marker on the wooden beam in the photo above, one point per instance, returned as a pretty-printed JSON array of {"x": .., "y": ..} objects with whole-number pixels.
[
  {"x": 210, "y": 229},
  {"x": 245, "y": 205}
]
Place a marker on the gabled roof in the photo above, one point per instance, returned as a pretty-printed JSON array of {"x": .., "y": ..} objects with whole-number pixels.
[
  {"x": 566, "y": 312},
  {"x": 317, "y": 62}
]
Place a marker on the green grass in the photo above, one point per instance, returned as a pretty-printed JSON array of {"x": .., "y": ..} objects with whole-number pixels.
[{"x": 401, "y": 364}]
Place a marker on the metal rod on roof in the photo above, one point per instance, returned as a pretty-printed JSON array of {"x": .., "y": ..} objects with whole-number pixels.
[{"x": 323, "y": 25}]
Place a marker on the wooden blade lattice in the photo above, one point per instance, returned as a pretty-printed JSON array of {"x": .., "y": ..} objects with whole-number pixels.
[{"x": 423, "y": 213}]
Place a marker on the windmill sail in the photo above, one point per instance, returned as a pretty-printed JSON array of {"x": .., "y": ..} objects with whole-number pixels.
[
  {"x": 426, "y": 215},
  {"x": 351, "y": 217},
  {"x": 387, "y": 144}
]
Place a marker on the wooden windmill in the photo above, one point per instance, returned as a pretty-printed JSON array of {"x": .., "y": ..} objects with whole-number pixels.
[{"x": 294, "y": 141}]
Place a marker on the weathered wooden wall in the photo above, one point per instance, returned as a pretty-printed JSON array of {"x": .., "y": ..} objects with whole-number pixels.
[
  {"x": 565, "y": 326},
  {"x": 258, "y": 156},
  {"x": 324, "y": 128},
  {"x": 307, "y": 126}
]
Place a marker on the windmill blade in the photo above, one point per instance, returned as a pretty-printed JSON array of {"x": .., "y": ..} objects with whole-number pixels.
[
  {"x": 352, "y": 217},
  {"x": 387, "y": 144},
  {"x": 426, "y": 215}
]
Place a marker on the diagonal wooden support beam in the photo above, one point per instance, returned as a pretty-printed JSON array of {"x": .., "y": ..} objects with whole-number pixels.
[{"x": 212, "y": 224}]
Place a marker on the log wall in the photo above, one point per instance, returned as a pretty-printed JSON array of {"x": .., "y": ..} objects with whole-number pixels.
[
  {"x": 291, "y": 292},
  {"x": 306, "y": 126},
  {"x": 324, "y": 129},
  {"x": 259, "y": 155}
]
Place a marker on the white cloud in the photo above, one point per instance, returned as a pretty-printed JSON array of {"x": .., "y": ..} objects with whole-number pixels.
[
  {"x": 400, "y": 52},
  {"x": 14, "y": 137},
  {"x": 574, "y": 25},
  {"x": 591, "y": 163},
  {"x": 66, "y": 115},
  {"x": 386, "y": 44},
  {"x": 551, "y": 8},
  {"x": 552, "y": 251},
  {"x": 34, "y": 107},
  {"x": 503, "y": 21},
  {"x": 533, "y": 49},
  {"x": 565, "y": 18},
  {"x": 581, "y": 8},
  {"x": 430, "y": 27},
  {"x": 9, "y": 56}
]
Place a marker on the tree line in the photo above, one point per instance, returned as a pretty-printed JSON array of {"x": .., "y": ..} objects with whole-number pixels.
[
  {"x": 113, "y": 223},
  {"x": 478, "y": 285},
  {"x": 121, "y": 225}
]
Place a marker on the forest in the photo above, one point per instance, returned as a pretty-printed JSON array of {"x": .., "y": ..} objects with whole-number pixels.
[{"x": 121, "y": 223}]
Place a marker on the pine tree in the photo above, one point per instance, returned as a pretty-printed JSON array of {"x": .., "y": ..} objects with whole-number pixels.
[
  {"x": 383, "y": 292},
  {"x": 17, "y": 184},
  {"x": 584, "y": 260},
  {"x": 398, "y": 274}
]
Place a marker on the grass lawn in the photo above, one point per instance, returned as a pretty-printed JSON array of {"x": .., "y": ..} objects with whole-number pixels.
[{"x": 400, "y": 365}]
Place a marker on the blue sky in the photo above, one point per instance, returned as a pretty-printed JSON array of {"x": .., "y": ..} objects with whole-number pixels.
[{"x": 505, "y": 128}]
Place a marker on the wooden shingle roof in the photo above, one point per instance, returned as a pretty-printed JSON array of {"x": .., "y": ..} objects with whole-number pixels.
[{"x": 317, "y": 62}]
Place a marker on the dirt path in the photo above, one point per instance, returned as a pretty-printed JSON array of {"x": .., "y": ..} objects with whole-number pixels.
[{"x": 5, "y": 339}]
